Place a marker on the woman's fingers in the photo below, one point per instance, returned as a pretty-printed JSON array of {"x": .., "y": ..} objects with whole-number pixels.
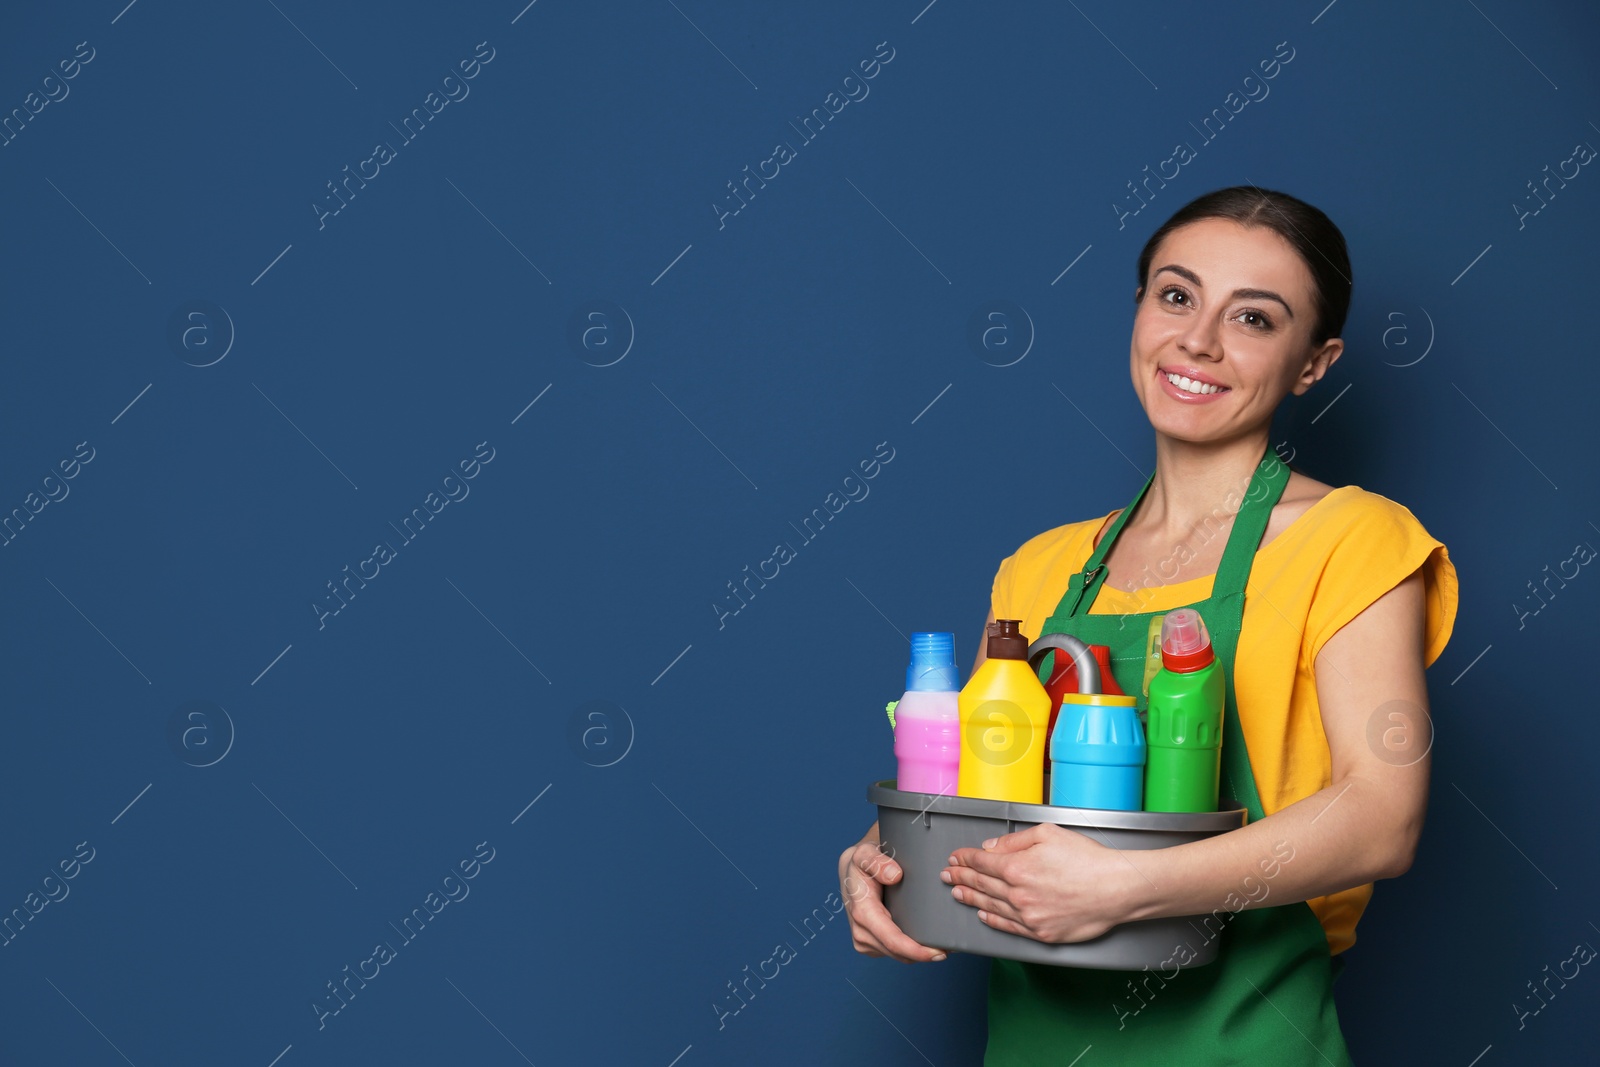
[
  {"x": 878, "y": 934},
  {"x": 972, "y": 881},
  {"x": 986, "y": 902},
  {"x": 878, "y": 865},
  {"x": 989, "y": 918},
  {"x": 993, "y": 896},
  {"x": 872, "y": 929}
]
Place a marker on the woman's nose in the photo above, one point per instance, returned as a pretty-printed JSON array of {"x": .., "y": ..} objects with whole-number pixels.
[{"x": 1200, "y": 337}]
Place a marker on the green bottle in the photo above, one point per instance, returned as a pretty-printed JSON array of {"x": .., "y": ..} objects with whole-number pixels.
[{"x": 1183, "y": 731}]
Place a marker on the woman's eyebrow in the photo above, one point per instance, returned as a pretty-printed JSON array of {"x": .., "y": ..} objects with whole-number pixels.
[{"x": 1247, "y": 294}]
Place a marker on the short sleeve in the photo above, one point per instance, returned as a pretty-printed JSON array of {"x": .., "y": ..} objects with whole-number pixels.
[
  {"x": 1000, "y": 592},
  {"x": 1030, "y": 582},
  {"x": 1370, "y": 547}
]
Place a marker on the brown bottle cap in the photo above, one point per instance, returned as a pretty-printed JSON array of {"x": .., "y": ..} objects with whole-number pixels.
[{"x": 1006, "y": 640}]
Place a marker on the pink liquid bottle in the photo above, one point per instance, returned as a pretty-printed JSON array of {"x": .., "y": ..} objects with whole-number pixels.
[{"x": 927, "y": 720}]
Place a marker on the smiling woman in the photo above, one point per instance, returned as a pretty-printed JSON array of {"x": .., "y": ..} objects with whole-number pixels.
[
  {"x": 1325, "y": 605},
  {"x": 1223, "y": 349}
]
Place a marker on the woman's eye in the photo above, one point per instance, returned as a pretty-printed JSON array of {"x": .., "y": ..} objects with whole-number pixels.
[{"x": 1176, "y": 296}]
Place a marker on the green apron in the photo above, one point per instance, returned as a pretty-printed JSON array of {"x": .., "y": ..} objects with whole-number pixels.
[{"x": 1268, "y": 996}]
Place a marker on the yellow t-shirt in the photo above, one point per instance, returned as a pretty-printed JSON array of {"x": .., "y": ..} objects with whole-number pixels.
[{"x": 1324, "y": 569}]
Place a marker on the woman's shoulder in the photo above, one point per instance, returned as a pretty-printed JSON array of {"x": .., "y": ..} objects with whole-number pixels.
[
  {"x": 1066, "y": 539},
  {"x": 1348, "y": 503},
  {"x": 1300, "y": 495},
  {"x": 1316, "y": 509},
  {"x": 1044, "y": 561}
]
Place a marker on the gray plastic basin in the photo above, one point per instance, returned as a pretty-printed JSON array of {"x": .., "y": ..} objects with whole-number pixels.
[{"x": 921, "y": 830}]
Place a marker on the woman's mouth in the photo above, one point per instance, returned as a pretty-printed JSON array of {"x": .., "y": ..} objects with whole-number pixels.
[{"x": 1189, "y": 390}]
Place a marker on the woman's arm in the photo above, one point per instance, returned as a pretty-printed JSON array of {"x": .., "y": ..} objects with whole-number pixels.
[
  {"x": 1057, "y": 885},
  {"x": 1362, "y": 827}
]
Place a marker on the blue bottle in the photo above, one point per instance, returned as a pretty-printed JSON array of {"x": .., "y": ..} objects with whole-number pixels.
[
  {"x": 1097, "y": 753},
  {"x": 1097, "y": 750}
]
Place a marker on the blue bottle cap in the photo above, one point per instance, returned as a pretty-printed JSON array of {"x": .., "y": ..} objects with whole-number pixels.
[{"x": 933, "y": 663}]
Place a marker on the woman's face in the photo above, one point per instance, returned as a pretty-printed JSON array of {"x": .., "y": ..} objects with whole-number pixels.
[{"x": 1230, "y": 308}]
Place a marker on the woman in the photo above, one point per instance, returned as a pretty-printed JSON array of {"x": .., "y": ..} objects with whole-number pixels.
[{"x": 1324, "y": 604}]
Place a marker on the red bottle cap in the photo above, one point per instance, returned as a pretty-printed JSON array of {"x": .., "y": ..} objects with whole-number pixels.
[{"x": 1185, "y": 644}]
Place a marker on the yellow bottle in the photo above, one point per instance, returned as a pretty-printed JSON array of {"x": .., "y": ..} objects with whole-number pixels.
[{"x": 1005, "y": 713}]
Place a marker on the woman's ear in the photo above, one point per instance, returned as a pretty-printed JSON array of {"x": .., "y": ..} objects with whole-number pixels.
[{"x": 1317, "y": 364}]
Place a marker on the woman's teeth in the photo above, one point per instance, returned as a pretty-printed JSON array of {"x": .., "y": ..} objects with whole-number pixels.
[{"x": 1190, "y": 386}]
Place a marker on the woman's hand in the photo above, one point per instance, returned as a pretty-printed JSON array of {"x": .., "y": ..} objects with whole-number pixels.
[
  {"x": 1046, "y": 882},
  {"x": 863, "y": 872}
]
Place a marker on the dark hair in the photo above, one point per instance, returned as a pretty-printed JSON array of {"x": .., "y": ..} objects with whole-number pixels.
[{"x": 1311, "y": 233}]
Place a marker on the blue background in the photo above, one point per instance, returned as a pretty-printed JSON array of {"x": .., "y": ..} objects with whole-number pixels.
[{"x": 690, "y": 820}]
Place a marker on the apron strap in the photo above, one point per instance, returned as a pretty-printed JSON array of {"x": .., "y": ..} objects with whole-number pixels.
[
  {"x": 1250, "y": 523},
  {"x": 1224, "y": 617},
  {"x": 1093, "y": 574}
]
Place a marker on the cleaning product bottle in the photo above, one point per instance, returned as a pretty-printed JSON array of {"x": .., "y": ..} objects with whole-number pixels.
[
  {"x": 1063, "y": 679},
  {"x": 927, "y": 720},
  {"x": 1097, "y": 745},
  {"x": 1004, "y": 711},
  {"x": 1097, "y": 753},
  {"x": 1184, "y": 727}
]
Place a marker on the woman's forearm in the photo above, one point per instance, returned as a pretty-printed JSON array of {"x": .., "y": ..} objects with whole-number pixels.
[{"x": 1345, "y": 835}]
